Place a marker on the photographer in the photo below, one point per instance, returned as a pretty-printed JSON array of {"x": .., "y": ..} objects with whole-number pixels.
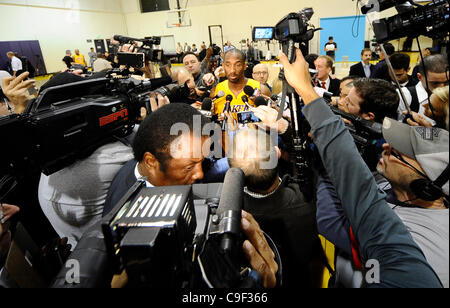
[
  {"x": 372, "y": 100},
  {"x": 199, "y": 70},
  {"x": 400, "y": 259}
]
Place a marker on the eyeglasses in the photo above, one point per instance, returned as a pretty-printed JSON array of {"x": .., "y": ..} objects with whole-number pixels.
[{"x": 260, "y": 73}]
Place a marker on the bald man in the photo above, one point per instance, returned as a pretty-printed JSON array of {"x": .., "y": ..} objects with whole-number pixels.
[
  {"x": 277, "y": 204},
  {"x": 261, "y": 74}
]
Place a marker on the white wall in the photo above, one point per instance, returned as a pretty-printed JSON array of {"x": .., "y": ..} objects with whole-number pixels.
[
  {"x": 60, "y": 25},
  {"x": 237, "y": 17},
  {"x": 67, "y": 24}
]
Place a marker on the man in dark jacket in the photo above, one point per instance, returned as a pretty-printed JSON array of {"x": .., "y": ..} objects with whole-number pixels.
[
  {"x": 363, "y": 69},
  {"x": 277, "y": 204}
]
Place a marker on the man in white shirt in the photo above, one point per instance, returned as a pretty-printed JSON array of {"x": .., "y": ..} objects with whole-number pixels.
[
  {"x": 16, "y": 64},
  {"x": 436, "y": 67}
]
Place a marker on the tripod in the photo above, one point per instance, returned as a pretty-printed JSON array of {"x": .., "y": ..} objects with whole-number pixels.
[{"x": 301, "y": 145}]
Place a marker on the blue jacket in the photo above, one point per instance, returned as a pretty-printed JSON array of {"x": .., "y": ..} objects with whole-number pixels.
[{"x": 381, "y": 234}]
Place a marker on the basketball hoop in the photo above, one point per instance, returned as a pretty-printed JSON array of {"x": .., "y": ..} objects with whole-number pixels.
[{"x": 178, "y": 19}]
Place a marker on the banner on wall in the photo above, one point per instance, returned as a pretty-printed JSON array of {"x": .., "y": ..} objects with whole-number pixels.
[
  {"x": 30, "y": 49},
  {"x": 348, "y": 33}
]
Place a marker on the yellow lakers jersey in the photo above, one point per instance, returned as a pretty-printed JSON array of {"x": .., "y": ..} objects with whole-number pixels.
[
  {"x": 237, "y": 104},
  {"x": 79, "y": 59}
]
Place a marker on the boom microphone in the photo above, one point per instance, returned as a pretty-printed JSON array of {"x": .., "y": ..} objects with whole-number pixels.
[{"x": 229, "y": 210}]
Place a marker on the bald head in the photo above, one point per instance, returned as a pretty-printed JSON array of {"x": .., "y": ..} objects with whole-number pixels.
[
  {"x": 234, "y": 65},
  {"x": 254, "y": 153},
  {"x": 182, "y": 75},
  {"x": 261, "y": 73}
]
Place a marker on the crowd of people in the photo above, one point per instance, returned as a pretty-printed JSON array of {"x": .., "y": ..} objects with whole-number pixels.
[{"x": 393, "y": 209}]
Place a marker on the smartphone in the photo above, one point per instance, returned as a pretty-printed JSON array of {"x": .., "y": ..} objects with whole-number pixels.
[
  {"x": 247, "y": 117},
  {"x": 136, "y": 60}
]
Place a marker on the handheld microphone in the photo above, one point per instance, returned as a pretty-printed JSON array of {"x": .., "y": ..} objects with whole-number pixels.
[
  {"x": 207, "y": 104},
  {"x": 219, "y": 95},
  {"x": 260, "y": 101},
  {"x": 229, "y": 211},
  {"x": 245, "y": 100},
  {"x": 227, "y": 107},
  {"x": 206, "y": 107},
  {"x": 249, "y": 91}
]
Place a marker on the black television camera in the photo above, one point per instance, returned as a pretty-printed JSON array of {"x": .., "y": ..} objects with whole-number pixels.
[
  {"x": 365, "y": 134},
  {"x": 413, "y": 20},
  {"x": 68, "y": 122},
  {"x": 146, "y": 49},
  {"x": 180, "y": 236}
]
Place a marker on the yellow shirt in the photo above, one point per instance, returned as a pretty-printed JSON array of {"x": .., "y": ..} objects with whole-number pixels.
[
  {"x": 237, "y": 104},
  {"x": 79, "y": 59}
]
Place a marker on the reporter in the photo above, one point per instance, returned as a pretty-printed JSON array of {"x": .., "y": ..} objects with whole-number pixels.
[{"x": 381, "y": 234}]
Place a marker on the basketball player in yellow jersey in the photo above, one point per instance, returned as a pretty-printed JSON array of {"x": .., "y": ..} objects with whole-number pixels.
[
  {"x": 79, "y": 58},
  {"x": 234, "y": 66}
]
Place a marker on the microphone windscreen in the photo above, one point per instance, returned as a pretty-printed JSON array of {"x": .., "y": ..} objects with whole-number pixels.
[
  {"x": 249, "y": 91},
  {"x": 260, "y": 101},
  {"x": 118, "y": 38},
  {"x": 207, "y": 104},
  {"x": 220, "y": 94},
  {"x": 232, "y": 191},
  {"x": 274, "y": 97},
  {"x": 245, "y": 99},
  {"x": 229, "y": 98}
]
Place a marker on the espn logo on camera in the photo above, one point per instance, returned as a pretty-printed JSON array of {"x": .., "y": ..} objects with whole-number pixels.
[{"x": 118, "y": 116}]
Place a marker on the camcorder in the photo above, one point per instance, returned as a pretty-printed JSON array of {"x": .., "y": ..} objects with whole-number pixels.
[
  {"x": 365, "y": 134},
  {"x": 291, "y": 30},
  {"x": 162, "y": 237},
  {"x": 144, "y": 53},
  {"x": 68, "y": 122},
  {"x": 412, "y": 20}
]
